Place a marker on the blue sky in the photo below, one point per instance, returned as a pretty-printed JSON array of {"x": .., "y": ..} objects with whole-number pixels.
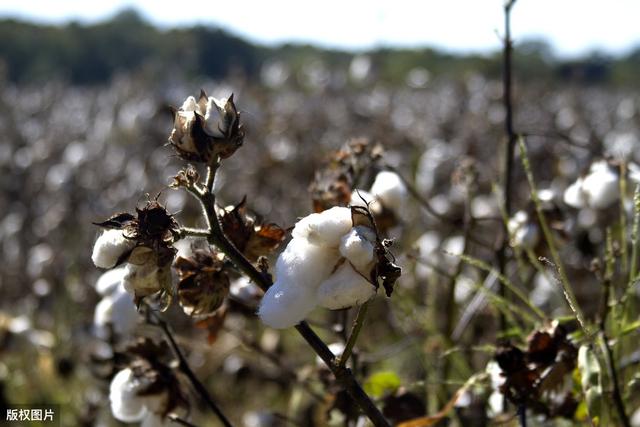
[{"x": 573, "y": 27}]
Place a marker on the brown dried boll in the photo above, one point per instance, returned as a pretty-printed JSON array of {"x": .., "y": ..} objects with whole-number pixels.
[{"x": 204, "y": 284}]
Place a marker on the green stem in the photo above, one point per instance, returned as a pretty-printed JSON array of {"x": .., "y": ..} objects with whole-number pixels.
[{"x": 353, "y": 337}]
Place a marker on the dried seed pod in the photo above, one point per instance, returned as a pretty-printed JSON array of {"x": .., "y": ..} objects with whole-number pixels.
[{"x": 204, "y": 284}]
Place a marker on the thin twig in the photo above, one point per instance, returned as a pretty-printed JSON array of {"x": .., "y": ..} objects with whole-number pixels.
[
  {"x": 186, "y": 369},
  {"x": 353, "y": 337},
  {"x": 509, "y": 149}
]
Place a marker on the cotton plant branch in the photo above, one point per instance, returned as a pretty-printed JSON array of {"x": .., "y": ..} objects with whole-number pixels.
[
  {"x": 510, "y": 146},
  {"x": 183, "y": 365},
  {"x": 216, "y": 237}
]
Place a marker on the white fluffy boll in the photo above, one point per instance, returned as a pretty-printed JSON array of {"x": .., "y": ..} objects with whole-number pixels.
[
  {"x": 118, "y": 311},
  {"x": 344, "y": 288},
  {"x": 389, "y": 189},
  {"x": 357, "y": 246},
  {"x": 109, "y": 281},
  {"x": 128, "y": 406},
  {"x": 598, "y": 189},
  {"x": 300, "y": 269},
  {"x": 324, "y": 228},
  {"x": 109, "y": 247}
]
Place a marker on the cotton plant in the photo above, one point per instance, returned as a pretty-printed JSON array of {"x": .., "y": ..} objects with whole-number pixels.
[{"x": 335, "y": 259}]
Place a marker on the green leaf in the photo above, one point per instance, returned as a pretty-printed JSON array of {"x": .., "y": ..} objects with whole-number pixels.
[{"x": 381, "y": 383}]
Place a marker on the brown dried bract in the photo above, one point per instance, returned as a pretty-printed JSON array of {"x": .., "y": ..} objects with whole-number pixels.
[
  {"x": 385, "y": 269},
  {"x": 531, "y": 375},
  {"x": 333, "y": 184},
  {"x": 204, "y": 284},
  {"x": 251, "y": 238}
]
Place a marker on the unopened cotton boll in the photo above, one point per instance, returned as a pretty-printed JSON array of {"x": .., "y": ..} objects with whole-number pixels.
[
  {"x": 389, "y": 189},
  {"x": 345, "y": 288},
  {"x": 109, "y": 247},
  {"x": 357, "y": 246},
  {"x": 284, "y": 305},
  {"x": 324, "y": 228}
]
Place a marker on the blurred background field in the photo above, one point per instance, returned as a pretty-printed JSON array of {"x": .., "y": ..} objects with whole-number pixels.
[{"x": 84, "y": 122}]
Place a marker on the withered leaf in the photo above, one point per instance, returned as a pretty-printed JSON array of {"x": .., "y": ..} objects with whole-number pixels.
[{"x": 117, "y": 221}]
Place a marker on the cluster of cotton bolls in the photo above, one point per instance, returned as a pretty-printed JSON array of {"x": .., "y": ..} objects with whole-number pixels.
[
  {"x": 328, "y": 262},
  {"x": 130, "y": 403},
  {"x": 116, "y": 309}
]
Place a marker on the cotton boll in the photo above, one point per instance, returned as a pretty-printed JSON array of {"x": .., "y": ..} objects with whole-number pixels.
[
  {"x": 126, "y": 405},
  {"x": 601, "y": 186},
  {"x": 389, "y": 189},
  {"x": 285, "y": 305},
  {"x": 574, "y": 195},
  {"x": 357, "y": 246},
  {"x": 345, "y": 288},
  {"x": 117, "y": 310},
  {"x": 146, "y": 279},
  {"x": 324, "y": 228},
  {"x": 109, "y": 247},
  {"x": 109, "y": 281},
  {"x": 303, "y": 264}
]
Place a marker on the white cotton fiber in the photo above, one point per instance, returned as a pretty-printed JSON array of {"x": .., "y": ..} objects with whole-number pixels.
[
  {"x": 126, "y": 405},
  {"x": 357, "y": 246},
  {"x": 344, "y": 288},
  {"x": 601, "y": 186},
  {"x": 118, "y": 311},
  {"x": 284, "y": 305},
  {"x": 574, "y": 195},
  {"x": 109, "y": 280},
  {"x": 109, "y": 247},
  {"x": 389, "y": 189},
  {"x": 324, "y": 228},
  {"x": 302, "y": 264}
]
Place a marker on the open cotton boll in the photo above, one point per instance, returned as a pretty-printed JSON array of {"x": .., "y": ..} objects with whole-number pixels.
[
  {"x": 345, "y": 288},
  {"x": 324, "y": 228},
  {"x": 302, "y": 264},
  {"x": 109, "y": 247},
  {"x": 357, "y": 246},
  {"x": 126, "y": 405},
  {"x": 117, "y": 310},
  {"x": 109, "y": 281},
  {"x": 285, "y": 305},
  {"x": 389, "y": 189},
  {"x": 601, "y": 187},
  {"x": 574, "y": 195}
]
